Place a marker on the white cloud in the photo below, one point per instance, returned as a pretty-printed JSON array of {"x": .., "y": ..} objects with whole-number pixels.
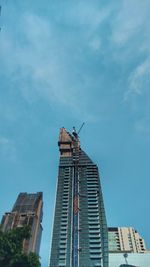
[
  {"x": 44, "y": 62},
  {"x": 88, "y": 15},
  {"x": 139, "y": 80},
  {"x": 131, "y": 40},
  {"x": 131, "y": 19},
  {"x": 41, "y": 63},
  {"x": 36, "y": 64},
  {"x": 139, "y": 76}
]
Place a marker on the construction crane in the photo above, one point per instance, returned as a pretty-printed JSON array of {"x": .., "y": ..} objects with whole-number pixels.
[
  {"x": 80, "y": 128},
  {"x": 76, "y": 133}
]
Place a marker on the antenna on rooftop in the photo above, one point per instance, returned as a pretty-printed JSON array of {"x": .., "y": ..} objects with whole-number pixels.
[{"x": 126, "y": 256}]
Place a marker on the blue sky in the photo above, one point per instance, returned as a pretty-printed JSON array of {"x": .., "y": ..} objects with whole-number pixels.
[{"x": 62, "y": 63}]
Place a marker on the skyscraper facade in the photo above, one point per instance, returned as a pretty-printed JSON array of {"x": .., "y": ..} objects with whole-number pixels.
[
  {"x": 27, "y": 210},
  {"x": 80, "y": 235}
]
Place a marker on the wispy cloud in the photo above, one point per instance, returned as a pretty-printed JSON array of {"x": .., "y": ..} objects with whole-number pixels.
[
  {"x": 64, "y": 58},
  {"x": 131, "y": 19},
  {"x": 40, "y": 65},
  {"x": 46, "y": 56},
  {"x": 139, "y": 80},
  {"x": 131, "y": 37},
  {"x": 35, "y": 63},
  {"x": 7, "y": 149}
]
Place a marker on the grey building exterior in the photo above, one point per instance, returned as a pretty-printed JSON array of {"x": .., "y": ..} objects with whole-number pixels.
[
  {"x": 80, "y": 235},
  {"x": 27, "y": 210}
]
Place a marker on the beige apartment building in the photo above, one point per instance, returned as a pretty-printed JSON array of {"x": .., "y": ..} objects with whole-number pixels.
[{"x": 125, "y": 239}]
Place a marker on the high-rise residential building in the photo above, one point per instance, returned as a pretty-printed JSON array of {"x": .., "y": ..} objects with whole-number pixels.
[
  {"x": 80, "y": 234},
  {"x": 27, "y": 210},
  {"x": 125, "y": 239}
]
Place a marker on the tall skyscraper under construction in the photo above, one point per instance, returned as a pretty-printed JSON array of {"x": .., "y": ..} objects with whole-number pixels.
[
  {"x": 27, "y": 210},
  {"x": 80, "y": 237}
]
